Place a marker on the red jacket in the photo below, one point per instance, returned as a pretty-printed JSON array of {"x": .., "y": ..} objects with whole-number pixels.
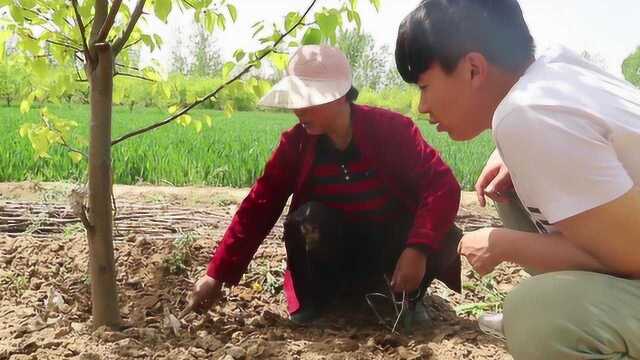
[{"x": 412, "y": 171}]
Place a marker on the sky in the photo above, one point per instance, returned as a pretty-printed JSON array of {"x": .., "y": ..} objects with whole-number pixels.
[{"x": 607, "y": 29}]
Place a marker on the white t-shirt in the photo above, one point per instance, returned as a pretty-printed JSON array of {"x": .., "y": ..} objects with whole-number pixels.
[{"x": 569, "y": 133}]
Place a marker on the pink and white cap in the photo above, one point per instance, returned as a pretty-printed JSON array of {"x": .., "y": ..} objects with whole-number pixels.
[{"x": 316, "y": 75}]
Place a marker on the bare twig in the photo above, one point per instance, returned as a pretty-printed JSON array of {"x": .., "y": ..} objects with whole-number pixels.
[
  {"x": 133, "y": 76},
  {"x": 64, "y": 142},
  {"x": 80, "y": 79},
  {"x": 118, "y": 45},
  {"x": 128, "y": 67},
  {"x": 82, "y": 30},
  {"x": 215, "y": 92},
  {"x": 68, "y": 46},
  {"x": 108, "y": 22},
  {"x": 132, "y": 44}
]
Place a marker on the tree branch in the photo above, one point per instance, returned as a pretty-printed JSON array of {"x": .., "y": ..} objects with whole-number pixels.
[
  {"x": 100, "y": 14},
  {"x": 108, "y": 22},
  {"x": 215, "y": 92},
  {"x": 132, "y": 44},
  {"x": 82, "y": 30},
  {"x": 79, "y": 79},
  {"x": 54, "y": 42},
  {"x": 133, "y": 76},
  {"x": 128, "y": 66},
  {"x": 118, "y": 45},
  {"x": 64, "y": 142}
]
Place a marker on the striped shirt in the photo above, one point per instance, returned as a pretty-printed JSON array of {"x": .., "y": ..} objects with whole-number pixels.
[{"x": 344, "y": 181}]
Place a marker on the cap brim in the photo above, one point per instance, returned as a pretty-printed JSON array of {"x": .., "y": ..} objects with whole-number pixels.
[{"x": 294, "y": 92}]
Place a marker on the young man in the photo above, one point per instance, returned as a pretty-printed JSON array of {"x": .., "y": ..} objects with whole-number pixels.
[
  {"x": 568, "y": 141},
  {"x": 370, "y": 198}
]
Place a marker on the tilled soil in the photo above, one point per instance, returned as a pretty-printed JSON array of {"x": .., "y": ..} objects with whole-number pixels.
[{"x": 164, "y": 240}]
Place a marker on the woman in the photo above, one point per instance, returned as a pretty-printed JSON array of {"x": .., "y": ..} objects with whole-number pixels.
[{"x": 370, "y": 198}]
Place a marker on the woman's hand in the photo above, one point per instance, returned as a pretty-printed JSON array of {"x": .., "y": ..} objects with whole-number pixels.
[
  {"x": 409, "y": 271},
  {"x": 206, "y": 292}
]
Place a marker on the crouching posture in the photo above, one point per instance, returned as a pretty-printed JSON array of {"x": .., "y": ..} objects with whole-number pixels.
[
  {"x": 566, "y": 174},
  {"x": 370, "y": 198}
]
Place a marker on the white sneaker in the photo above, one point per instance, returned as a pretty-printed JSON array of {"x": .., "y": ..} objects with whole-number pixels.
[{"x": 491, "y": 324}]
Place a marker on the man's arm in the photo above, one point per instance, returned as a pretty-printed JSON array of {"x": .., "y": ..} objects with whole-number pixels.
[{"x": 604, "y": 239}]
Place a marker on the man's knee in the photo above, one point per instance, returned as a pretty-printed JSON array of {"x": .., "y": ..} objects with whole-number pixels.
[{"x": 556, "y": 316}]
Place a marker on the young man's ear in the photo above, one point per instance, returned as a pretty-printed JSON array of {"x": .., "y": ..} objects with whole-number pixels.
[{"x": 478, "y": 68}]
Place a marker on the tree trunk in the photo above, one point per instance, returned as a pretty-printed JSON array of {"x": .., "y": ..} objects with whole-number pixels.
[{"x": 104, "y": 295}]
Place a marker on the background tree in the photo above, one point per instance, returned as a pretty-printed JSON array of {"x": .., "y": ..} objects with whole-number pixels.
[
  {"x": 92, "y": 37},
  {"x": 631, "y": 68},
  {"x": 372, "y": 65},
  {"x": 179, "y": 63},
  {"x": 207, "y": 60}
]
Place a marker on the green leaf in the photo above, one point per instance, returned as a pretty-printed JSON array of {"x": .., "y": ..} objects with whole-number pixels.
[
  {"x": 355, "y": 17},
  {"x": 30, "y": 45},
  {"x": 25, "y": 129},
  {"x": 166, "y": 90},
  {"x": 226, "y": 70},
  {"x": 261, "y": 88},
  {"x": 208, "y": 120},
  {"x": 328, "y": 23},
  {"x": 376, "y": 4},
  {"x": 75, "y": 157},
  {"x": 280, "y": 61},
  {"x": 151, "y": 73},
  {"x": 158, "y": 40},
  {"x": 354, "y": 3},
  {"x": 291, "y": 19},
  {"x": 162, "y": 9},
  {"x": 4, "y": 36},
  {"x": 25, "y": 106},
  {"x": 312, "y": 36},
  {"x": 172, "y": 109},
  {"x": 184, "y": 120},
  {"x": 233, "y": 12},
  {"x": 210, "y": 20},
  {"x": 258, "y": 30},
  {"x": 40, "y": 67},
  {"x": 17, "y": 14},
  {"x": 239, "y": 54},
  {"x": 198, "y": 125},
  {"x": 229, "y": 108},
  {"x": 148, "y": 40},
  {"x": 222, "y": 22}
]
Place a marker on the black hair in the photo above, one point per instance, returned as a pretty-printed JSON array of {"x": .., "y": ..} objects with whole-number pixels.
[
  {"x": 352, "y": 94},
  {"x": 443, "y": 31}
]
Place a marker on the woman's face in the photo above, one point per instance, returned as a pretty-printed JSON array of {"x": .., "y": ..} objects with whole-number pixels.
[{"x": 319, "y": 119}]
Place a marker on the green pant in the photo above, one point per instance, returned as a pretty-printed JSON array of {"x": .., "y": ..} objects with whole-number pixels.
[{"x": 570, "y": 314}]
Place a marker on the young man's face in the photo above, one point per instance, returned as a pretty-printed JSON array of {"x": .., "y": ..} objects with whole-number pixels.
[{"x": 453, "y": 101}]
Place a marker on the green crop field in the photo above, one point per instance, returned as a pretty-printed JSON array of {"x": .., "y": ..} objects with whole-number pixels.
[{"x": 230, "y": 153}]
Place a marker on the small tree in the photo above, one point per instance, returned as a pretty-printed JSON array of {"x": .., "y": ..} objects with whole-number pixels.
[
  {"x": 206, "y": 55},
  {"x": 372, "y": 66},
  {"x": 91, "y": 37},
  {"x": 631, "y": 68}
]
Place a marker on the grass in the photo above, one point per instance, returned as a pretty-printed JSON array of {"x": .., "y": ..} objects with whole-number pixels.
[{"x": 230, "y": 153}]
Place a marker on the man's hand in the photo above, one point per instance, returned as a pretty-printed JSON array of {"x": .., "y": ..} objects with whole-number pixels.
[
  {"x": 205, "y": 293},
  {"x": 494, "y": 181},
  {"x": 480, "y": 251},
  {"x": 409, "y": 271}
]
